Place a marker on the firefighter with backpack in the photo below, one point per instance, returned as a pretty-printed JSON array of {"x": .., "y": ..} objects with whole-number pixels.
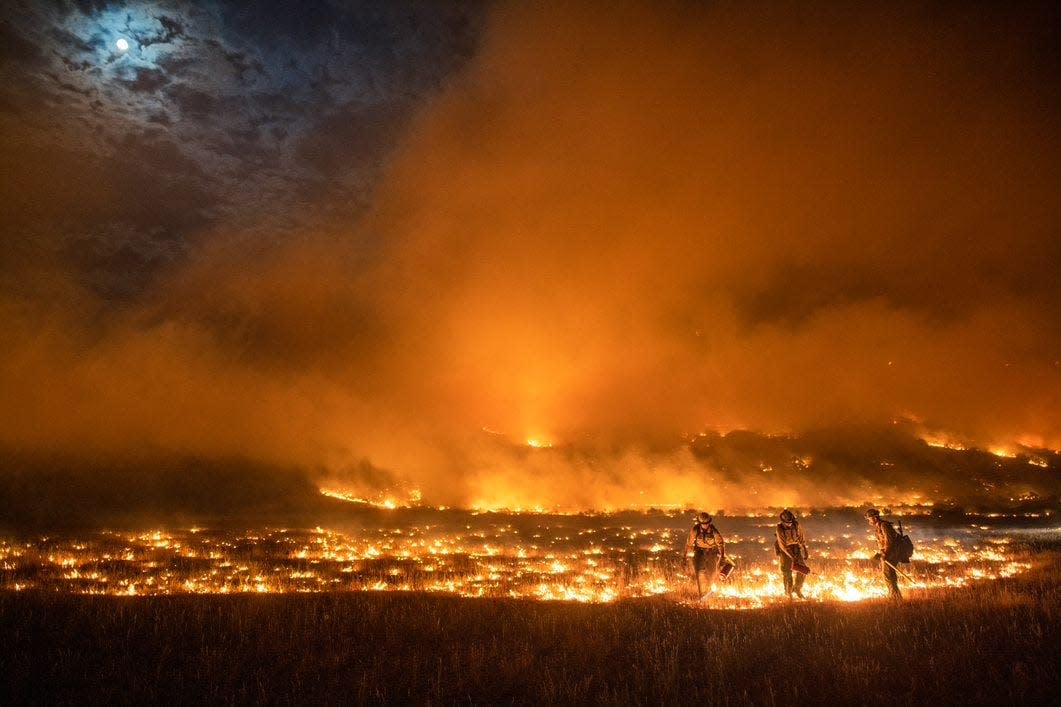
[
  {"x": 892, "y": 549},
  {"x": 707, "y": 548}
]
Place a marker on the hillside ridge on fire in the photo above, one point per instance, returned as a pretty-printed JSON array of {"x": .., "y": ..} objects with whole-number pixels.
[{"x": 857, "y": 465}]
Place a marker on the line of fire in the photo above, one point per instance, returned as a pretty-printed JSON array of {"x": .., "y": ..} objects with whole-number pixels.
[
  {"x": 585, "y": 558},
  {"x": 399, "y": 541}
]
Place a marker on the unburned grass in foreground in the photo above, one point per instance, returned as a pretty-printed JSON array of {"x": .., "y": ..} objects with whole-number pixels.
[{"x": 992, "y": 644}]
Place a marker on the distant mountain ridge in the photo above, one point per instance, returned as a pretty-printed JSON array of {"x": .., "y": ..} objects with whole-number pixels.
[{"x": 835, "y": 467}]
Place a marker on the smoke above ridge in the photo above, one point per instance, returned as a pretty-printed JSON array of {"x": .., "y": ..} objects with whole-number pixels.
[{"x": 605, "y": 232}]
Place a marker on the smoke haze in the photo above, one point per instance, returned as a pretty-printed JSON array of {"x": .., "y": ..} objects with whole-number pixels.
[{"x": 606, "y": 232}]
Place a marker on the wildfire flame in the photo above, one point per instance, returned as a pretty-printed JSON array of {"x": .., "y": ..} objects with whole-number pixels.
[{"x": 563, "y": 558}]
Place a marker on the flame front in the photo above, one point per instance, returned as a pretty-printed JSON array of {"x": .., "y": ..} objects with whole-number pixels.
[{"x": 567, "y": 558}]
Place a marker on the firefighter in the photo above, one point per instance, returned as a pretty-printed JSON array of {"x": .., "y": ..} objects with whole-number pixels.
[
  {"x": 886, "y": 551},
  {"x": 706, "y": 547},
  {"x": 791, "y": 548}
]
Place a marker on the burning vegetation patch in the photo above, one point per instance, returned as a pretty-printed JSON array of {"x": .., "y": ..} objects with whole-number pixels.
[{"x": 598, "y": 558}]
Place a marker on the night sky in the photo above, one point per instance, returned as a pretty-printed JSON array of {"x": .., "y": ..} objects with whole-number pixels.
[{"x": 398, "y": 240}]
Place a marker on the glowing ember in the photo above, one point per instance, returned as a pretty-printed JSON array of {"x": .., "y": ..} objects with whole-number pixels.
[{"x": 590, "y": 558}]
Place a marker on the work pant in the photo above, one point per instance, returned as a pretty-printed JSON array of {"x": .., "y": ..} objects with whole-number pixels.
[
  {"x": 792, "y": 584},
  {"x": 705, "y": 567},
  {"x": 891, "y": 578}
]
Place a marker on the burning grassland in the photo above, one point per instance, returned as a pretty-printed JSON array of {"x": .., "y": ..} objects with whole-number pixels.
[{"x": 586, "y": 558}]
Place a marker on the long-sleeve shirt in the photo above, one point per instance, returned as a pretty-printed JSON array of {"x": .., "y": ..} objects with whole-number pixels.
[
  {"x": 790, "y": 535},
  {"x": 705, "y": 538},
  {"x": 886, "y": 536}
]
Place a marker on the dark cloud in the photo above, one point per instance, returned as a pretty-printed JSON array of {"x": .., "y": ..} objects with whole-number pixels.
[
  {"x": 171, "y": 30},
  {"x": 68, "y": 41},
  {"x": 348, "y": 135},
  {"x": 271, "y": 23},
  {"x": 147, "y": 80},
  {"x": 196, "y": 104},
  {"x": 248, "y": 117},
  {"x": 16, "y": 48},
  {"x": 92, "y": 7},
  {"x": 243, "y": 64},
  {"x": 113, "y": 220}
]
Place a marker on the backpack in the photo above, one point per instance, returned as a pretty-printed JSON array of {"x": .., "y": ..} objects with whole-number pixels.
[{"x": 904, "y": 546}]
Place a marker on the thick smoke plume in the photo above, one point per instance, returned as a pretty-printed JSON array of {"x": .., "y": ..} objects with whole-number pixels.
[{"x": 609, "y": 232}]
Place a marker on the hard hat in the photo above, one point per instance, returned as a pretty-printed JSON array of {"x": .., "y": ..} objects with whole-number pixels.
[
  {"x": 787, "y": 516},
  {"x": 872, "y": 513},
  {"x": 703, "y": 517}
]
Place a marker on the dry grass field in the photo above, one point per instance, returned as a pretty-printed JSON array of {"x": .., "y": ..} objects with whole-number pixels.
[{"x": 995, "y": 643}]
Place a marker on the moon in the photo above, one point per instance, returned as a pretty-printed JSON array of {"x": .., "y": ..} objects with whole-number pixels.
[{"x": 122, "y": 44}]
